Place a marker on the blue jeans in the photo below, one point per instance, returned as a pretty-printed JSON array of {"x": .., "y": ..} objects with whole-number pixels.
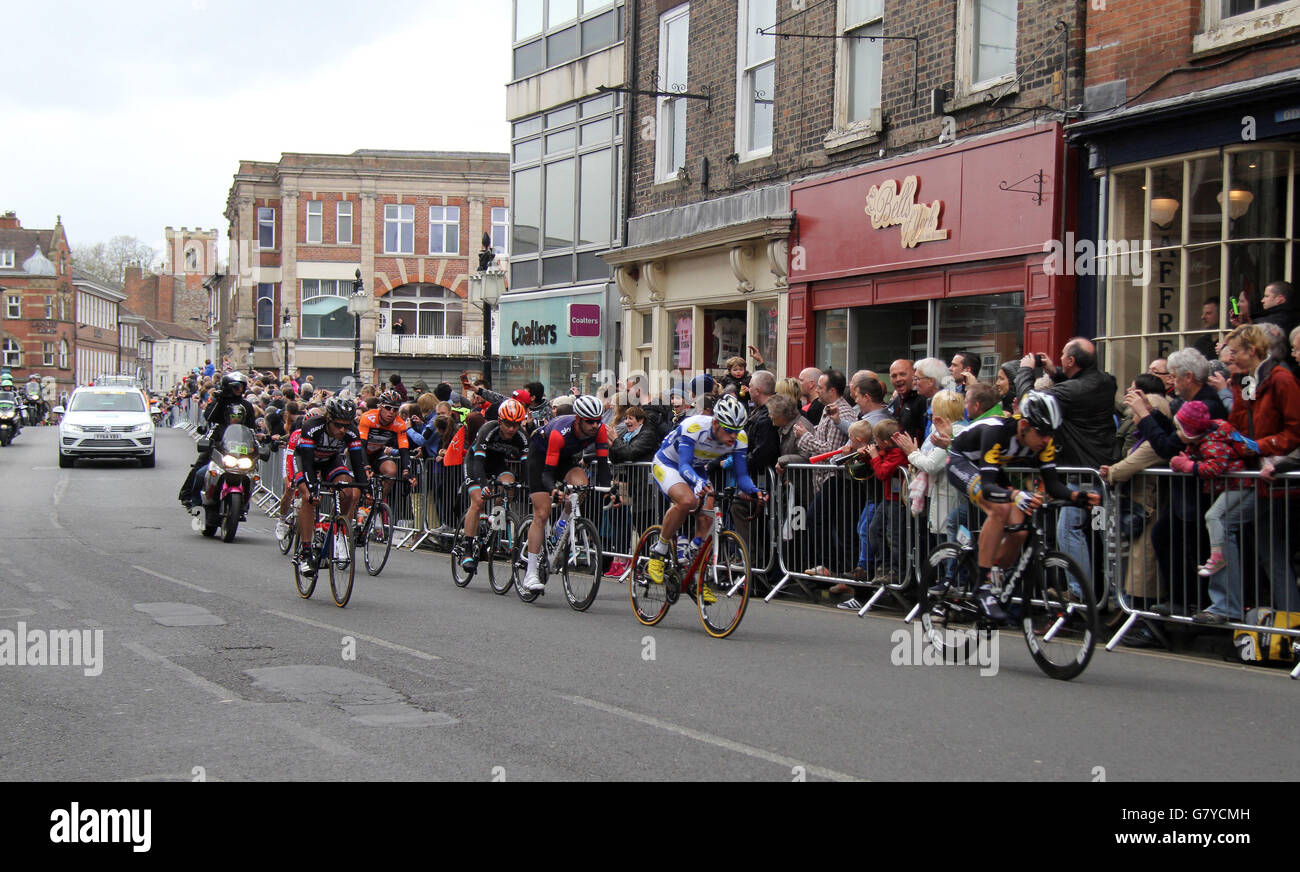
[
  {"x": 1272, "y": 545},
  {"x": 864, "y": 541},
  {"x": 1072, "y": 538}
]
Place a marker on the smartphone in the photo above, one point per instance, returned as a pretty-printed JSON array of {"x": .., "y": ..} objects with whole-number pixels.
[{"x": 1235, "y": 309}]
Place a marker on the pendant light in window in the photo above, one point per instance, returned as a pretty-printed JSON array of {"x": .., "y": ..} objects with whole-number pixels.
[
  {"x": 1239, "y": 200},
  {"x": 1163, "y": 206}
]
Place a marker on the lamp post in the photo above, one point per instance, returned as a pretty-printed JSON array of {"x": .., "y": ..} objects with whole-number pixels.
[
  {"x": 358, "y": 304},
  {"x": 485, "y": 289},
  {"x": 285, "y": 322}
]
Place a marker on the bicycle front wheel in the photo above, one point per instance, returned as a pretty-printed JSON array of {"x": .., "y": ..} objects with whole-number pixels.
[
  {"x": 722, "y": 584},
  {"x": 291, "y": 538},
  {"x": 649, "y": 600},
  {"x": 459, "y": 576},
  {"x": 500, "y": 546},
  {"x": 1060, "y": 625},
  {"x": 306, "y": 584},
  {"x": 519, "y": 563},
  {"x": 378, "y": 541},
  {"x": 343, "y": 567},
  {"x": 581, "y": 567}
]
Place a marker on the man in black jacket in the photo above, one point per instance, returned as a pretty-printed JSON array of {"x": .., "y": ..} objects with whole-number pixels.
[{"x": 1087, "y": 435}]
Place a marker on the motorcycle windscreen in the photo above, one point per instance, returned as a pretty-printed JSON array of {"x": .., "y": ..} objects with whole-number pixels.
[{"x": 239, "y": 441}]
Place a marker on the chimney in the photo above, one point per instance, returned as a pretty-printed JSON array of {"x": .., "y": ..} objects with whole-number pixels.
[{"x": 9, "y": 221}]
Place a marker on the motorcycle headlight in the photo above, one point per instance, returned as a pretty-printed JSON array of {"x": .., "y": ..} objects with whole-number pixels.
[
  {"x": 229, "y": 461},
  {"x": 245, "y": 463},
  {"x": 6, "y": 413}
]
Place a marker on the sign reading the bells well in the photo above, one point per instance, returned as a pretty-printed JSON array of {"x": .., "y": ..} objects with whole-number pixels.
[{"x": 889, "y": 205}]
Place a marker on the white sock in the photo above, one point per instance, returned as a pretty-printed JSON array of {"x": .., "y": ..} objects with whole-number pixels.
[
  {"x": 660, "y": 547},
  {"x": 532, "y": 564}
]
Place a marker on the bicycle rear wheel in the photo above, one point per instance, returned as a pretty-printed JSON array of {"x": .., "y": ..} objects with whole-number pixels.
[
  {"x": 649, "y": 600},
  {"x": 582, "y": 565},
  {"x": 722, "y": 575},
  {"x": 1060, "y": 626},
  {"x": 378, "y": 541},
  {"x": 519, "y": 563},
  {"x": 343, "y": 569},
  {"x": 501, "y": 545}
]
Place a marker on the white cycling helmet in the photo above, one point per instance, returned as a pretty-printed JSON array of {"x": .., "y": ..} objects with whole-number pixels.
[
  {"x": 730, "y": 413},
  {"x": 588, "y": 407}
]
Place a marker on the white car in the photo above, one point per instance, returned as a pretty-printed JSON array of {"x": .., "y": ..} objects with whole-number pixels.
[{"x": 105, "y": 422}]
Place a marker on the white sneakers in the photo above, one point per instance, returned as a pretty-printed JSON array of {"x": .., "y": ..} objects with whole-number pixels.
[
  {"x": 532, "y": 582},
  {"x": 281, "y": 530}
]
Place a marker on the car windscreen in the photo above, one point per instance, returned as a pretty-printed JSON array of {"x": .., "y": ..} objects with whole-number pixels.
[{"x": 108, "y": 401}]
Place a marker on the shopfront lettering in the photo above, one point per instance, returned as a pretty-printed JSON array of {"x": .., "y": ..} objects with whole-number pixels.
[
  {"x": 888, "y": 206},
  {"x": 533, "y": 333}
]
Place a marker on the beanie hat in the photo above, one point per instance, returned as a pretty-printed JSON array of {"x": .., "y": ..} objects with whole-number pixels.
[{"x": 1194, "y": 419}]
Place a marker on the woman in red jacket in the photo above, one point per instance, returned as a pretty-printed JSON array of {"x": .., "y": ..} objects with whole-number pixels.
[{"x": 1266, "y": 410}]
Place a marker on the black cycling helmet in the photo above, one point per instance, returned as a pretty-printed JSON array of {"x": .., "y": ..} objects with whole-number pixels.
[
  {"x": 230, "y": 379},
  {"x": 1041, "y": 411},
  {"x": 340, "y": 409}
]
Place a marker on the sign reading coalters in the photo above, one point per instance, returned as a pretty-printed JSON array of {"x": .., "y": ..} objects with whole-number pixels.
[
  {"x": 888, "y": 206},
  {"x": 552, "y": 325}
]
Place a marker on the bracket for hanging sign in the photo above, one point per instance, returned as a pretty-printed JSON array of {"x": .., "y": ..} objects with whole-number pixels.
[{"x": 1036, "y": 178}]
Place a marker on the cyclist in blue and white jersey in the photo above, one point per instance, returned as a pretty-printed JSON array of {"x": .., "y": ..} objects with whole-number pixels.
[{"x": 680, "y": 469}]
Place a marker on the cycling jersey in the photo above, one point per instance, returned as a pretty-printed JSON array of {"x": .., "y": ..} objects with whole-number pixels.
[
  {"x": 319, "y": 449},
  {"x": 491, "y": 451},
  {"x": 378, "y": 438},
  {"x": 557, "y": 448},
  {"x": 691, "y": 447},
  {"x": 978, "y": 453}
]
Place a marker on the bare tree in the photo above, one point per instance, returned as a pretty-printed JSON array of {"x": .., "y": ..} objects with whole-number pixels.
[{"x": 108, "y": 260}]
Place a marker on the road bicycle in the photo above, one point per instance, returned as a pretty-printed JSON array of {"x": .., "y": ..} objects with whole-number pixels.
[
  {"x": 331, "y": 546},
  {"x": 1060, "y": 626},
  {"x": 498, "y": 530},
  {"x": 717, "y": 577},
  {"x": 374, "y": 525},
  {"x": 286, "y": 545},
  {"x": 576, "y": 554}
]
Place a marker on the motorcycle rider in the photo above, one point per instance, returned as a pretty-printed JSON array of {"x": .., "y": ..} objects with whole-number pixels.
[
  {"x": 215, "y": 419},
  {"x": 35, "y": 399}
]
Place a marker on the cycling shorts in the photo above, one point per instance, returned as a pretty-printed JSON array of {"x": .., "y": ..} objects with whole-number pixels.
[
  {"x": 966, "y": 477},
  {"x": 334, "y": 473},
  {"x": 667, "y": 477},
  {"x": 536, "y": 464}
]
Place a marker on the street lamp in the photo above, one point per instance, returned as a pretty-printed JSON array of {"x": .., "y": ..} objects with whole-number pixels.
[
  {"x": 285, "y": 322},
  {"x": 485, "y": 288},
  {"x": 358, "y": 305}
]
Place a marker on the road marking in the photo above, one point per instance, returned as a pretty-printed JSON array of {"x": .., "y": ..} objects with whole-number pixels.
[
  {"x": 34, "y": 587},
  {"x": 59, "y": 489},
  {"x": 190, "y": 677},
  {"x": 59, "y": 604},
  {"x": 739, "y": 747},
  {"x": 172, "y": 580},
  {"x": 374, "y": 640},
  {"x": 315, "y": 739}
]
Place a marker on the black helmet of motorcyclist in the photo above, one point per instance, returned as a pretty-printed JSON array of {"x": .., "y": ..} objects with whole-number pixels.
[{"x": 234, "y": 384}]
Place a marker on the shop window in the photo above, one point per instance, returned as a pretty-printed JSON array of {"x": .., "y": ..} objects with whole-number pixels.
[
  {"x": 989, "y": 326},
  {"x": 884, "y": 333},
  {"x": 682, "y": 324},
  {"x": 832, "y": 336},
  {"x": 325, "y": 309},
  {"x": 670, "y": 139},
  {"x": 764, "y": 316},
  {"x": 755, "y": 78}
]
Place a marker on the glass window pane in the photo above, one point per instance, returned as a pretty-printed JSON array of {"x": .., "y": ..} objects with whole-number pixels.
[
  {"x": 327, "y": 318},
  {"x": 557, "y": 270},
  {"x": 597, "y": 198},
  {"x": 559, "y": 204},
  {"x": 857, "y": 11},
  {"x": 560, "y": 117},
  {"x": 561, "y": 11},
  {"x": 990, "y": 326},
  {"x": 865, "y": 58},
  {"x": 766, "y": 322},
  {"x": 528, "y": 151},
  {"x": 344, "y": 227},
  {"x": 530, "y": 58},
  {"x": 681, "y": 323},
  {"x": 562, "y": 46},
  {"x": 995, "y": 39},
  {"x": 762, "y": 15},
  {"x": 832, "y": 339},
  {"x": 1203, "y": 283},
  {"x": 675, "y": 74},
  {"x": 591, "y": 268},
  {"x": 598, "y": 131},
  {"x": 523, "y": 274},
  {"x": 562, "y": 141},
  {"x": 600, "y": 31},
  {"x": 593, "y": 5},
  {"x": 884, "y": 333},
  {"x": 1206, "y": 217},
  {"x": 529, "y": 127},
  {"x": 597, "y": 106},
  {"x": 1257, "y": 199},
  {"x": 390, "y": 236},
  {"x": 1252, "y": 266},
  {"x": 760, "y": 119},
  {"x": 527, "y": 203},
  {"x": 528, "y": 18},
  {"x": 1166, "y": 197}
]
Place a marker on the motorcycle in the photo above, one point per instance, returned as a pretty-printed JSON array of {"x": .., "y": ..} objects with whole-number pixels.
[
  {"x": 9, "y": 422},
  {"x": 228, "y": 481}
]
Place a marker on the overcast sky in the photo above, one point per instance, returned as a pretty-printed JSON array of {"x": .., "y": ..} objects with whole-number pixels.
[{"x": 135, "y": 114}]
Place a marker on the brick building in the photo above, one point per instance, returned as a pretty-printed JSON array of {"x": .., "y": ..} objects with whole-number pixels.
[
  {"x": 839, "y": 201},
  {"x": 1192, "y": 145},
  {"x": 559, "y": 322},
  {"x": 409, "y": 221},
  {"x": 37, "y": 329},
  {"x": 178, "y": 292},
  {"x": 98, "y": 348}
]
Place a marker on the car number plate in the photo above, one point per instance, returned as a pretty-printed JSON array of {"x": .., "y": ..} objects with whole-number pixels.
[{"x": 108, "y": 436}]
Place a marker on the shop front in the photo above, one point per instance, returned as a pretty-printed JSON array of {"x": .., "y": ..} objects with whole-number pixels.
[
  {"x": 1192, "y": 207},
  {"x": 938, "y": 252},
  {"x": 556, "y": 338}
]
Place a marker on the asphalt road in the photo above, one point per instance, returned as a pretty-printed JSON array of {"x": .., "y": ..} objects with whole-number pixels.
[{"x": 213, "y": 666}]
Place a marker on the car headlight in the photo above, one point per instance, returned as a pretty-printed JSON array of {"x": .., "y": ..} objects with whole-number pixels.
[
  {"x": 72, "y": 428},
  {"x": 141, "y": 428}
]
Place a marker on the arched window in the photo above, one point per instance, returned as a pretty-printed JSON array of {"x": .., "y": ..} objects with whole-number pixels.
[
  {"x": 192, "y": 259},
  {"x": 325, "y": 309},
  {"x": 425, "y": 310}
]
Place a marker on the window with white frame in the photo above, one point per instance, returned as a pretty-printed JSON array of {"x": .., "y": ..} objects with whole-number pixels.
[
  {"x": 325, "y": 309},
  {"x": 49, "y": 307},
  {"x": 13, "y": 353},
  {"x": 13, "y": 306},
  {"x": 860, "y": 61},
  {"x": 444, "y": 230},
  {"x": 755, "y": 78},
  {"x": 6, "y": 258},
  {"x": 500, "y": 229},
  {"x": 63, "y": 354},
  {"x": 266, "y": 311},
  {"x": 425, "y": 309},
  {"x": 265, "y": 227},
  {"x": 670, "y": 136},
  {"x": 986, "y": 44},
  {"x": 315, "y": 220},
  {"x": 343, "y": 234},
  {"x": 553, "y": 32},
  {"x": 399, "y": 229},
  {"x": 1226, "y": 22},
  {"x": 47, "y": 354}
]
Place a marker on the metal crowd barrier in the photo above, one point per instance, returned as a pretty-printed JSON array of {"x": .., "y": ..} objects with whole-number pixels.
[{"x": 1161, "y": 533}]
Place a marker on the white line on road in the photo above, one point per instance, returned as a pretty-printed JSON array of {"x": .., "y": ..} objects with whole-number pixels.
[
  {"x": 375, "y": 640},
  {"x": 190, "y": 678},
  {"x": 59, "y": 489},
  {"x": 315, "y": 739},
  {"x": 34, "y": 587},
  {"x": 738, "y": 747},
  {"x": 59, "y": 604},
  {"x": 172, "y": 580}
]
